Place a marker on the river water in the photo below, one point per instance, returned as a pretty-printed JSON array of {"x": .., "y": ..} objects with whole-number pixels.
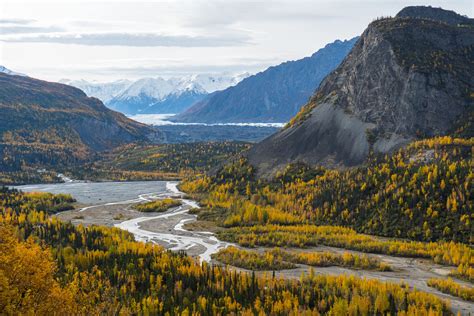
[
  {"x": 169, "y": 229},
  {"x": 100, "y": 192}
]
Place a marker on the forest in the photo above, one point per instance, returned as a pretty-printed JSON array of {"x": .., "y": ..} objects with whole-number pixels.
[
  {"x": 102, "y": 270},
  {"x": 277, "y": 259},
  {"x": 421, "y": 196},
  {"x": 158, "y": 162},
  {"x": 450, "y": 287},
  {"x": 31, "y": 160},
  {"x": 23, "y": 162}
]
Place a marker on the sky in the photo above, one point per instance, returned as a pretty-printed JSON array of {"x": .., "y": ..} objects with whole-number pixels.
[{"x": 111, "y": 40}]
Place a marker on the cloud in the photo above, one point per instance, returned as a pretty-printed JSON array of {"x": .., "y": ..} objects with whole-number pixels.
[
  {"x": 141, "y": 71},
  {"x": 133, "y": 39},
  {"x": 16, "y": 21},
  {"x": 93, "y": 23},
  {"x": 224, "y": 12},
  {"x": 25, "y": 26},
  {"x": 21, "y": 29},
  {"x": 116, "y": 33}
]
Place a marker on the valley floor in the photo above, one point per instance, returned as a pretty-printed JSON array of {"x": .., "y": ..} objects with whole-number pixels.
[
  {"x": 165, "y": 229},
  {"x": 170, "y": 230},
  {"x": 411, "y": 271}
]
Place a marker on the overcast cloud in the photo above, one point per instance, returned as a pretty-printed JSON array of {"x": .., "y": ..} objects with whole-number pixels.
[
  {"x": 132, "y": 39},
  {"x": 16, "y": 21},
  {"x": 108, "y": 40},
  {"x": 22, "y": 29}
]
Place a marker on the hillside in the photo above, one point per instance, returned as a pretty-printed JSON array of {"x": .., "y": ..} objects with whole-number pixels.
[
  {"x": 44, "y": 123},
  {"x": 406, "y": 78},
  {"x": 419, "y": 199},
  {"x": 157, "y": 162},
  {"x": 274, "y": 95}
]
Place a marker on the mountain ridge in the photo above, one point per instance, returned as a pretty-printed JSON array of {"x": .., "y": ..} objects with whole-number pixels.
[
  {"x": 436, "y": 14},
  {"x": 156, "y": 95},
  {"x": 7, "y": 71},
  {"x": 406, "y": 78},
  {"x": 103, "y": 91},
  {"x": 273, "y": 95},
  {"x": 39, "y": 112}
]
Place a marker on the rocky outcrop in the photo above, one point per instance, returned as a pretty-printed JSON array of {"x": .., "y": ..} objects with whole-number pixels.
[
  {"x": 406, "y": 77},
  {"x": 435, "y": 14}
]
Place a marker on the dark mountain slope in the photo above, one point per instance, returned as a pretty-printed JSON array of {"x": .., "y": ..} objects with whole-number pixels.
[
  {"x": 51, "y": 125},
  {"x": 406, "y": 78},
  {"x": 30, "y": 106},
  {"x": 274, "y": 95}
]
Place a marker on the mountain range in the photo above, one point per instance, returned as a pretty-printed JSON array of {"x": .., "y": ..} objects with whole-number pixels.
[
  {"x": 274, "y": 95},
  {"x": 156, "y": 95},
  {"x": 407, "y": 77}
]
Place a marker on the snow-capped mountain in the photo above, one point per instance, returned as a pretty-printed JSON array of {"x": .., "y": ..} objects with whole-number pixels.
[
  {"x": 157, "y": 95},
  {"x": 103, "y": 91},
  {"x": 7, "y": 71},
  {"x": 156, "y": 88},
  {"x": 212, "y": 83}
]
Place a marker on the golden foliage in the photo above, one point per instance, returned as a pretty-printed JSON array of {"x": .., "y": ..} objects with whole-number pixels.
[
  {"x": 27, "y": 283},
  {"x": 104, "y": 271},
  {"x": 422, "y": 193},
  {"x": 157, "y": 206},
  {"x": 277, "y": 259},
  {"x": 450, "y": 287}
]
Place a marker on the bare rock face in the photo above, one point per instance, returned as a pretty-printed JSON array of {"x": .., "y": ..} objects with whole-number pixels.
[{"x": 407, "y": 77}]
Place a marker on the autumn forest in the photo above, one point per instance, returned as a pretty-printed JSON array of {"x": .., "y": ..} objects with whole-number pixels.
[{"x": 225, "y": 158}]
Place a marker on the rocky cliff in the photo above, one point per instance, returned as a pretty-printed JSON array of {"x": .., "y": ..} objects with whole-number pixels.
[{"x": 406, "y": 77}]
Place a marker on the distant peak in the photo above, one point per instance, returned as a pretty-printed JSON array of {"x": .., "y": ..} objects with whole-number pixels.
[
  {"x": 7, "y": 71},
  {"x": 336, "y": 45},
  {"x": 436, "y": 14}
]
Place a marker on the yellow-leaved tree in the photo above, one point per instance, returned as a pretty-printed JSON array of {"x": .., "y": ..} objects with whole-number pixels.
[{"x": 27, "y": 283}]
